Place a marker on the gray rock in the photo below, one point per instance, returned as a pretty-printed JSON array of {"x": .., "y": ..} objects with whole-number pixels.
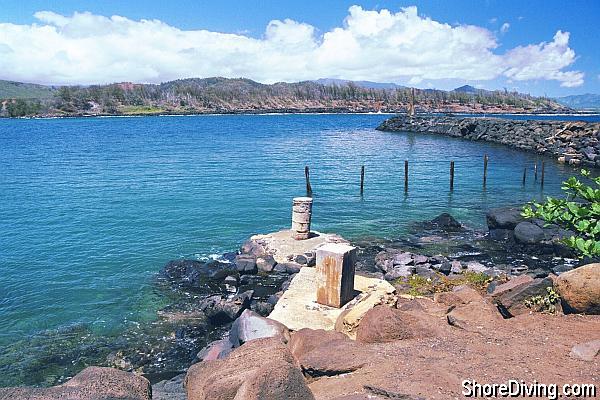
[
  {"x": 528, "y": 233},
  {"x": 504, "y": 218},
  {"x": 169, "y": 390},
  {"x": 420, "y": 259},
  {"x": 250, "y": 326},
  {"x": 475, "y": 266},
  {"x": 246, "y": 263},
  {"x": 456, "y": 267},
  {"x": 266, "y": 263},
  {"x": 220, "y": 311},
  {"x": 262, "y": 308},
  {"x": 512, "y": 302},
  {"x": 586, "y": 351},
  {"x": 402, "y": 259},
  {"x": 289, "y": 267}
]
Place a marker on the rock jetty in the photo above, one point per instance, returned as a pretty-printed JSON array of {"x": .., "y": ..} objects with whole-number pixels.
[{"x": 571, "y": 142}]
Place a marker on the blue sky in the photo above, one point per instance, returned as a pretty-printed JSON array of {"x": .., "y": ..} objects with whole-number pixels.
[{"x": 308, "y": 41}]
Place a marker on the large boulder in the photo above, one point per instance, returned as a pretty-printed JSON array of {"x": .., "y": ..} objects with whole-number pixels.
[
  {"x": 385, "y": 324},
  {"x": 93, "y": 383},
  {"x": 250, "y": 326},
  {"x": 260, "y": 369},
  {"x": 327, "y": 353},
  {"x": 511, "y": 302},
  {"x": 504, "y": 218},
  {"x": 579, "y": 289},
  {"x": 528, "y": 233},
  {"x": 246, "y": 263},
  {"x": 472, "y": 312}
]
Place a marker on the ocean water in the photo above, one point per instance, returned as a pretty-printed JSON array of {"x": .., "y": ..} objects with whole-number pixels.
[{"x": 92, "y": 208}]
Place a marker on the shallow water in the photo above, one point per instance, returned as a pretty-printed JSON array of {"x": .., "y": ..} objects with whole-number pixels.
[{"x": 91, "y": 208}]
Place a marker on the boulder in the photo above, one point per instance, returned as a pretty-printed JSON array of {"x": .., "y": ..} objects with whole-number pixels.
[
  {"x": 327, "y": 353},
  {"x": 288, "y": 268},
  {"x": 474, "y": 314},
  {"x": 266, "y": 263},
  {"x": 246, "y": 263},
  {"x": 250, "y": 326},
  {"x": 93, "y": 383},
  {"x": 220, "y": 311},
  {"x": 386, "y": 324},
  {"x": 446, "y": 222},
  {"x": 512, "y": 302},
  {"x": 504, "y": 218},
  {"x": 260, "y": 369},
  {"x": 169, "y": 390},
  {"x": 215, "y": 350},
  {"x": 579, "y": 289},
  {"x": 586, "y": 351},
  {"x": 254, "y": 248},
  {"x": 528, "y": 233},
  {"x": 191, "y": 273}
]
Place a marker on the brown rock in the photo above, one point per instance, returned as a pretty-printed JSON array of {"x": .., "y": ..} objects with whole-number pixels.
[
  {"x": 579, "y": 289},
  {"x": 385, "y": 324},
  {"x": 260, "y": 369},
  {"x": 93, "y": 383},
  {"x": 474, "y": 314},
  {"x": 327, "y": 353},
  {"x": 511, "y": 285}
]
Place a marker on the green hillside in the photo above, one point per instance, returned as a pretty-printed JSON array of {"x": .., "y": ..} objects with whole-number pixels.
[{"x": 19, "y": 90}]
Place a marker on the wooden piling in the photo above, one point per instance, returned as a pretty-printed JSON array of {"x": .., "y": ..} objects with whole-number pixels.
[
  {"x": 524, "y": 175},
  {"x": 451, "y": 175},
  {"x": 307, "y": 176},
  {"x": 485, "y": 164},
  {"x": 362, "y": 179},
  {"x": 406, "y": 175},
  {"x": 535, "y": 171},
  {"x": 543, "y": 172}
]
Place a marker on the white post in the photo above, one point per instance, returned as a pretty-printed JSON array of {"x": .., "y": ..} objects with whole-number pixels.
[{"x": 301, "y": 214}]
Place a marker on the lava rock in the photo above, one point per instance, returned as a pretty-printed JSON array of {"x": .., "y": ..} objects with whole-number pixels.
[
  {"x": 504, "y": 218},
  {"x": 528, "y": 233},
  {"x": 447, "y": 223},
  {"x": 246, "y": 263},
  {"x": 266, "y": 263}
]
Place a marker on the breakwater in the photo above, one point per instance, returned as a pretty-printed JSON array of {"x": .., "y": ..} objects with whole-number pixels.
[{"x": 571, "y": 142}]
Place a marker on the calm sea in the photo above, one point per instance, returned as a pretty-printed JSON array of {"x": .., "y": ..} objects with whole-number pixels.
[{"x": 91, "y": 208}]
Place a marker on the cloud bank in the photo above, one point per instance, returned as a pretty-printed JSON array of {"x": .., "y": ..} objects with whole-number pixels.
[{"x": 401, "y": 47}]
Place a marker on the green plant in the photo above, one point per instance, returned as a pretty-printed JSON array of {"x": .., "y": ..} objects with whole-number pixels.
[
  {"x": 544, "y": 303},
  {"x": 578, "y": 212}
]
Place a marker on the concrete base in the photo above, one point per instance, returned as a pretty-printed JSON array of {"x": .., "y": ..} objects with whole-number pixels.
[
  {"x": 282, "y": 245},
  {"x": 298, "y": 307}
]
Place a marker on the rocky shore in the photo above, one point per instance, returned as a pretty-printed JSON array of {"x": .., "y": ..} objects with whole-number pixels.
[
  {"x": 455, "y": 303},
  {"x": 571, "y": 142}
]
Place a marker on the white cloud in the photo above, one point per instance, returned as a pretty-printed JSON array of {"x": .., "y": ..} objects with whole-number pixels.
[
  {"x": 505, "y": 27},
  {"x": 380, "y": 45}
]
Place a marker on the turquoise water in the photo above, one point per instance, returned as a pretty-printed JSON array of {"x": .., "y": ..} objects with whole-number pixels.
[{"x": 91, "y": 208}]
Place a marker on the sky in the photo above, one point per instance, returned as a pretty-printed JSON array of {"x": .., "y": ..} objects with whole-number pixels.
[{"x": 539, "y": 47}]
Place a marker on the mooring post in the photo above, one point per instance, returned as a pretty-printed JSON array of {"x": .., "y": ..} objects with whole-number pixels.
[
  {"x": 301, "y": 215},
  {"x": 406, "y": 175},
  {"x": 543, "y": 171},
  {"x": 524, "y": 175},
  {"x": 307, "y": 176},
  {"x": 362, "y": 179},
  {"x": 451, "y": 175},
  {"x": 485, "y": 164},
  {"x": 335, "y": 274},
  {"x": 535, "y": 171}
]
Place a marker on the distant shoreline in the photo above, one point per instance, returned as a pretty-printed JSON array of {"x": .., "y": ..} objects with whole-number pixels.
[{"x": 298, "y": 112}]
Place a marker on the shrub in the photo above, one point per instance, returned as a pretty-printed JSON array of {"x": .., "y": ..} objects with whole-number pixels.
[{"x": 578, "y": 212}]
